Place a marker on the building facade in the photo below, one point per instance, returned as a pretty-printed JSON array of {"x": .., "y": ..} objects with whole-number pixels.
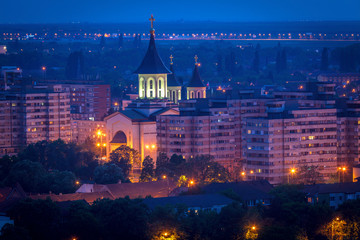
[{"x": 32, "y": 115}]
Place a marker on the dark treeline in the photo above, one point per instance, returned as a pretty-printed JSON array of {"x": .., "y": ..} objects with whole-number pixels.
[
  {"x": 59, "y": 167},
  {"x": 289, "y": 217}
]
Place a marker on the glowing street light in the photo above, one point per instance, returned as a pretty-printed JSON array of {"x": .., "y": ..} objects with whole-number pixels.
[
  {"x": 292, "y": 172},
  {"x": 100, "y": 135},
  {"x": 341, "y": 169},
  {"x": 43, "y": 68}
]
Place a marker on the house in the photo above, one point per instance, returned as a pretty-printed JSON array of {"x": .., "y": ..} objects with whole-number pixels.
[
  {"x": 212, "y": 202},
  {"x": 154, "y": 189},
  {"x": 9, "y": 196},
  {"x": 250, "y": 193},
  {"x": 88, "y": 197},
  {"x": 332, "y": 194}
]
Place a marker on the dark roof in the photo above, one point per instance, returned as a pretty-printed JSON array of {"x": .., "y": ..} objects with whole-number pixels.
[
  {"x": 135, "y": 190},
  {"x": 245, "y": 190},
  {"x": 152, "y": 63},
  {"x": 171, "y": 79},
  {"x": 119, "y": 137},
  {"x": 10, "y": 196},
  {"x": 88, "y": 197},
  {"x": 190, "y": 201},
  {"x": 196, "y": 80},
  {"x": 133, "y": 115},
  {"x": 161, "y": 111},
  {"x": 349, "y": 187}
]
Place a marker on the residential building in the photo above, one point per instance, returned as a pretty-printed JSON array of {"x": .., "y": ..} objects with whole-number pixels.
[
  {"x": 332, "y": 194},
  {"x": 33, "y": 114}
]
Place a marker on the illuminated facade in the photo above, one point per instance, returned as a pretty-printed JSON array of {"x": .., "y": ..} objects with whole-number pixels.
[{"x": 135, "y": 126}]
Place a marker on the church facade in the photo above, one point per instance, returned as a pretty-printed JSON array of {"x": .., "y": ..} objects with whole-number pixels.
[{"x": 159, "y": 94}]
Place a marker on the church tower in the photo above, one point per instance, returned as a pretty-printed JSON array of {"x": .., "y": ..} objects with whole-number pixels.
[
  {"x": 173, "y": 86},
  {"x": 152, "y": 72},
  {"x": 196, "y": 88}
]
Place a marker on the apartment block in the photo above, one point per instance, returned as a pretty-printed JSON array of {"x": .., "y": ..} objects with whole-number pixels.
[{"x": 34, "y": 114}]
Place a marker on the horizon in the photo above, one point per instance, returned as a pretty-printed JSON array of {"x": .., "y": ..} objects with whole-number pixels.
[{"x": 41, "y": 11}]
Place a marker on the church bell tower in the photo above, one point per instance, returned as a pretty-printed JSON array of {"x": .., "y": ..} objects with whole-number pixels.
[{"x": 152, "y": 73}]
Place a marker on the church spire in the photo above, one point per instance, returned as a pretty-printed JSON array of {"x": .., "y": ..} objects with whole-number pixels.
[
  {"x": 152, "y": 20},
  {"x": 196, "y": 81},
  {"x": 171, "y": 80},
  {"x": 152, "y": 63}
]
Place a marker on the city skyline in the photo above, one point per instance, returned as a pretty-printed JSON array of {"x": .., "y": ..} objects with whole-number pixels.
[{"x": 40, "y": 11}]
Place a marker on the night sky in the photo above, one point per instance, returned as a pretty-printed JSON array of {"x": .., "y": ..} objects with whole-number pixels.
[{"x": 112, "y": 11}]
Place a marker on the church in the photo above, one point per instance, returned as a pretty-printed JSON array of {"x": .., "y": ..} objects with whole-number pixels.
[{"x": 159, "y": 94}]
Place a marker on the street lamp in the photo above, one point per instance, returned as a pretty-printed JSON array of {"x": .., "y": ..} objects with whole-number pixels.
[
  {"x": 292, "y": 172},
  {"x": 43, "y": 68},
  {"x": 332, "y": 227},
  {"x": 191, "y": 183},
  {"x": 252, "y": 172},
  {"x": 251, "y": 233},
  {"x": 341, "y": 169},
  {"x": 100, "y": 144}
]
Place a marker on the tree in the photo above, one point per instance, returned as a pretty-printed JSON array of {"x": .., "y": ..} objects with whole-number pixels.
[
  {"x": 308, "y": 175},
  {"x": 183, "y": 181},
  {"x": 162, "y": 164},
  {"x": 75, "y": 65},
  {"x": 102, "y": 41},
  {"x": 11, "y": 232},
  {"x": 203, "y": 169},
  {"x": 6, "y": 163},
  {"x": 283, "y": 60},
  {"x": 165, "y": 223},
  {"x": 108, "y": 174},
  {"x": 126, "y": 158},
  {"x": 122, "y": 218},
  {"x": 278, "y": 62},
  {"x": 39, "y": 217},
  {"x": 58, "y": 155},
  {"x": 324, "y": 59},
  {"x": 30, "y": 175},
  {"x": 81, "y": 222},
  {"x": 148, "y": 171},
  {"x": 60, "y": 182}
]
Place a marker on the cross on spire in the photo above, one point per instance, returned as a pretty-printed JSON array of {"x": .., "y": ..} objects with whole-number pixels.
[
  {"x": 152, "y": 19},
  {"x": 171, "y": 58},
  {"x": 196, "y": 59}
]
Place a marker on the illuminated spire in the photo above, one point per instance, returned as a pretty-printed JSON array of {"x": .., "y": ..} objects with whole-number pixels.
[
  {"x": 171, "y": 60},
  {"x": 196, "y": 60},
  {"x": 152, "y": 19},
  {"x": 152, "y": 63}
]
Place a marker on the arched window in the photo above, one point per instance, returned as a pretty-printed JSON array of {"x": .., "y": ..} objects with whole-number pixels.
[
  {"x": 173, "y": 96},
  {"x": 159, "y": 84},
  {"x": 198, "y": 93},
  {"x": 151, "y": 84},
  {"x": 192, "y": 95}
]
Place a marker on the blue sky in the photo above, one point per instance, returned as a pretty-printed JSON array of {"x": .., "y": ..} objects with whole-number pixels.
[{"x": 50, "y": 11}]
